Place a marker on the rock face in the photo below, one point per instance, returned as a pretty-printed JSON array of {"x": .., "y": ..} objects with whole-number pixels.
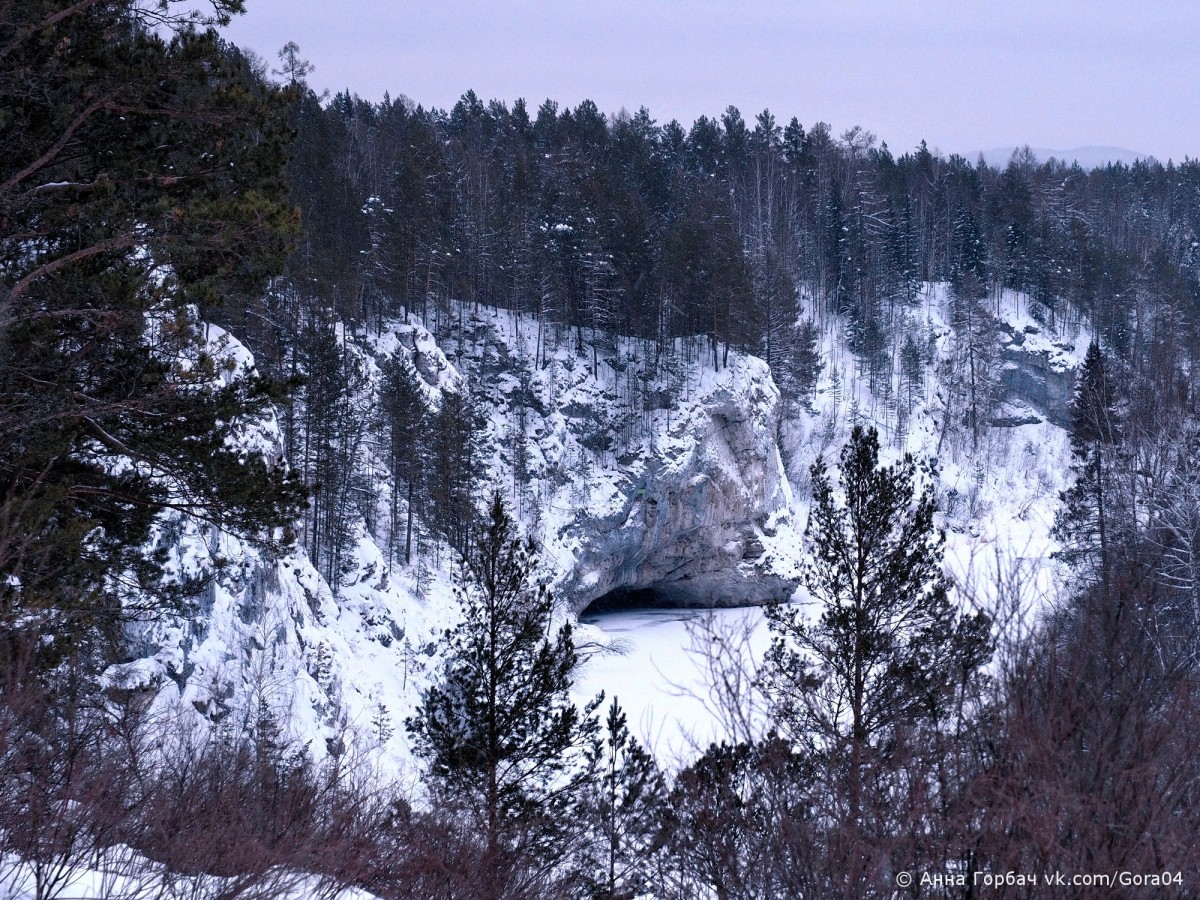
[
  {"x": 639, "y": 475},
  {"x": 697, "y": 514},
  {"x": 646, "y": 474},
  {"x": 646, "y": 477},
  {"x": 1037, "y": 373},
  {"x": 638, "y": 472},
  {"x": 663, "y": 488},
  {"x": 269, "y": 636}
]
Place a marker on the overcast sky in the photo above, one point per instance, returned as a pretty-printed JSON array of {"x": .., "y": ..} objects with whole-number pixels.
[{"x": 965, "y": 75}]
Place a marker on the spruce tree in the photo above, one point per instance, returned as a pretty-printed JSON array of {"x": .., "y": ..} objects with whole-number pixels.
[
  {"x": 806, "y": 362},
  {"x": 499, "y": 733},
  {"x": 1084, "y": 523},
  {"x": 912, "y": 372},
  {"x": 453, "y": 448},
  {"x": 403, "y": 406},
  {"x": 976, "y": 369}
]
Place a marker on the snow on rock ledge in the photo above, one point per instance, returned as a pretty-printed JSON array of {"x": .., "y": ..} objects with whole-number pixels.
[{"x": 1037, "y": 370}]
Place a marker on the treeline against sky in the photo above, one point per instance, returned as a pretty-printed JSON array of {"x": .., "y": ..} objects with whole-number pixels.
[
  {"x": 623, "y": 224},
  {"x": 758, "y": 236}
]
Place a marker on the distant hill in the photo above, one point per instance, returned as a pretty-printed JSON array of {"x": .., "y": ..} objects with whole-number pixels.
[{"x": 1087, "y": 157}]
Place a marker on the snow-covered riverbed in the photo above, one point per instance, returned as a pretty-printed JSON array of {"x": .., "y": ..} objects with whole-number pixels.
[{"x": 655, "y": 669}]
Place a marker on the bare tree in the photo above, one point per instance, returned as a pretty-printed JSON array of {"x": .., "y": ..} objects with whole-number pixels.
[{"x": 1092, "y": 765}]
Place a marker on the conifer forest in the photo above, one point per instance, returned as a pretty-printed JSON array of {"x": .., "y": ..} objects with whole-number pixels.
[{"x": 341, "y": 439}]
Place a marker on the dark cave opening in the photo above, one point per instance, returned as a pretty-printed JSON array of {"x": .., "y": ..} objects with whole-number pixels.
[
  {"x": 683, "y": 595},
  {"x": 625, "y": 599}
]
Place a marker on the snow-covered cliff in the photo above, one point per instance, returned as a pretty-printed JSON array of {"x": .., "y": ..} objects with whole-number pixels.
[
  {"x": 647, "y": 477},
  {"x": 637, "y": 476},
  {"x": 266, "y": 640}
]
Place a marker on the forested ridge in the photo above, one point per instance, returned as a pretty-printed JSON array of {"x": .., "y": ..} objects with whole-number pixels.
[
  {"x": 149, "y": 189},
  {"x": 624, "y": 224},
  {"x": 758, "y": 237}
]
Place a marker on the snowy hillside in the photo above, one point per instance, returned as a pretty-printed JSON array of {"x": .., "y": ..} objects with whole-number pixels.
[
  {"x": 267, "y": 636},
  {"x": 675, "y": 495},
  {"x": 678, "y": 485}
]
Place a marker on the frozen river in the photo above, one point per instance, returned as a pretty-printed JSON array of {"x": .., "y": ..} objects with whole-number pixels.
[{"x": 654, "y": 668}]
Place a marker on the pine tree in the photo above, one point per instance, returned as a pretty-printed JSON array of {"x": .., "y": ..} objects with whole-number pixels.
[
  {"x": 887, "y": 632},
  {"x": 1084, "y": 523},
  {"x": 624, "y": 806},
  {"x": 292, "y": 66},
  {"x": 888, "y": 650},
  {"x": 141, "y": 175},
  {"x": 743, "y": 824},
  {"x": 499, "y": 733}
]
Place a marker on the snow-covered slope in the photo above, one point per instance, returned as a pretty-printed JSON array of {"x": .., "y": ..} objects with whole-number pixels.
[
  {"x": 998, "y": 489},
  {"x": 645, "y": 476},
  {"x": 266, "y": 638}
]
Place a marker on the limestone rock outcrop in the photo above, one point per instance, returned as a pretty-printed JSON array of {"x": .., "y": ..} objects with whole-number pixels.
[
  {"x": 698, "y": 509},
  {"x": 1037, "y": 372}
]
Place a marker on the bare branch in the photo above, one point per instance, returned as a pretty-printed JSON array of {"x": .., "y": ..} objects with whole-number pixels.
[
  {"x": 121, "y": 242},
  {"x": 63, "y": 139}
]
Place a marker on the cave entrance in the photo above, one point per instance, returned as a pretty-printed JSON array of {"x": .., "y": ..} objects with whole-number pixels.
[
  {"x": 625, "y": 599},
  {"x": 665, "y": 596}
]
